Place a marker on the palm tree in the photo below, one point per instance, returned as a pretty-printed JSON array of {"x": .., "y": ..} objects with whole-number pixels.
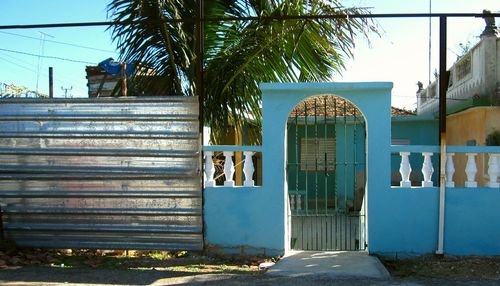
[{"x": 238, "y": 54}]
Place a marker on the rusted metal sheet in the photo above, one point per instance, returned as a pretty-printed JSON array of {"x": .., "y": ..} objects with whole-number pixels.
[{"x": 117, "y": 173}]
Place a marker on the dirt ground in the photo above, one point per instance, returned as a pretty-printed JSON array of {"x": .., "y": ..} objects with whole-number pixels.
[
  {"x": 177, "y": 261},
  {"x": 92, "y": 268},
  {"x": 451, "y": 267}
]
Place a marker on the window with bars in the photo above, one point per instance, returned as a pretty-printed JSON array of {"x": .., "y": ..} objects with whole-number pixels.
[{"x": 316, "y": 154}]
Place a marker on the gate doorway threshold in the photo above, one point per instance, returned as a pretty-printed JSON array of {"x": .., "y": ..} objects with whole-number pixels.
[{"x": 334, "y": 264}]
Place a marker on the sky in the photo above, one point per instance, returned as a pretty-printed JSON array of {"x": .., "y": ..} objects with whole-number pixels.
[{"x": 400, "y": 55}]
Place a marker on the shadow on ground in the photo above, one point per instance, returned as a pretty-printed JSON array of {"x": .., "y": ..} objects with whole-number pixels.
[{"x": 40, "y": 275}]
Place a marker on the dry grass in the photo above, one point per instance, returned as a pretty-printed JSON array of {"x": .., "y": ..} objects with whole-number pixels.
[
  {"x": 448, "y": 267},
  {"x": 177, "y": 261}
]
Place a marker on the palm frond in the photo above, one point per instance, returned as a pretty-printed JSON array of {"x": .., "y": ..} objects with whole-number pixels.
[{"x": 238, "y": 55}]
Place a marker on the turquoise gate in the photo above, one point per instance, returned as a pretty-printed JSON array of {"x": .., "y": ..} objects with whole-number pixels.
[{"x": 326, "y": 174}]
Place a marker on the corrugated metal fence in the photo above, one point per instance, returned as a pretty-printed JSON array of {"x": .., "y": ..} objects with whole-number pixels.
[{"x": 110, "y": 173}]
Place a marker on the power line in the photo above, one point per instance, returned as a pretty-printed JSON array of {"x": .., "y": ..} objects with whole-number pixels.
[
  {"x": 65, "y": 81},
  {"x": 18, "y": 65},
  {"x": 15, "y": 58},
  {"x": 17, "y": 62},
  {"x": 58, "y": 42},
  {"x": 47, "y": 57}
]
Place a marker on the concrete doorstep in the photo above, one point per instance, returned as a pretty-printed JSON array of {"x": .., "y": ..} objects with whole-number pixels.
[{"x": 334, "y": 264}]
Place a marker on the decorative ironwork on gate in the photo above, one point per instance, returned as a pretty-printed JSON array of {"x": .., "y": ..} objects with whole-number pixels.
[{"x": 326, "y": 174}]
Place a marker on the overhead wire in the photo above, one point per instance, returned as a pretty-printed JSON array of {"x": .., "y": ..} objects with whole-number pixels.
[
  {"x": 34, "y": 71},
  {"x": 57, "y": 79},
  {"x": 59, "y": 42},
  {"x": 64, "y": 76},
  {"x": 47, "y": 57}
]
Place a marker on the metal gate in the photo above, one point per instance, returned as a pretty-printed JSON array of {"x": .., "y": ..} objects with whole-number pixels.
[
  {"x": 110, "y": 173},
  {"x": 326, "y": 175}
]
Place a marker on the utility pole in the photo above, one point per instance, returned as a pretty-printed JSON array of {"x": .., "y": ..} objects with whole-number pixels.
[
  {"x": 66, "y": 91},
  {"x": 51, "y": 82}
]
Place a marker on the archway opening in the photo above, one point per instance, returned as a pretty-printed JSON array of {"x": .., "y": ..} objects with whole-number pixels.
[{"x": 326, "y": 174}]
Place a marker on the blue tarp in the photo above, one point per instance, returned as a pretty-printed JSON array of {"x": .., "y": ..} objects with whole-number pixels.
[{"x": 115, "y": 68}]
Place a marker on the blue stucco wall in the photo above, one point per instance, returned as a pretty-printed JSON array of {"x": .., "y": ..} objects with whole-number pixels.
[
  {"x": 410, "y": 223},
  {"x": 472, "y": 221},
  {"x": 419, "y": 130},
  {"x": 242, "y": 220},
  {"x": 257, "y": 218},
  {"x": 401, "y": 221}
]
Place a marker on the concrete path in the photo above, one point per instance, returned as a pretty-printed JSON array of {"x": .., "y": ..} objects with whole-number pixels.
[{"x": 334, "y": 264}]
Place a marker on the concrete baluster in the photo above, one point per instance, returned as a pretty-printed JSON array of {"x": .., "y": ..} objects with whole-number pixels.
[
  {"x": 450, "y": 170},
  {"x": 471, "y": 170},
  {"x": 405, "y": 170},
  {"x": 493, "y": 170},
  {"x": 427, "y": 170},
  {"x": 228, "y": 169},
  {"x": 209, "y": 169},
  {"x": 248, "y": 169}
]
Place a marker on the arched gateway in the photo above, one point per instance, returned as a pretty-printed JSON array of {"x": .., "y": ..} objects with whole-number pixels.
[
  {"x": 339, "y": 192},
  {"x": 326, "y": 174}
]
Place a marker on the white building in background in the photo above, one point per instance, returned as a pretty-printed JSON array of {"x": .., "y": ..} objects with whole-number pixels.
[{"x": 474, "y": 79}]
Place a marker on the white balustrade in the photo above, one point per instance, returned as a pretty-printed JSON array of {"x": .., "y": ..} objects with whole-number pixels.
[
  {"x": 405, "y": 170},
  {"x": 248, "y": 169},
  {"x": 471, "y": 170},
  {"x": 292, "y": 202},
  {"x": 449, "y": 170},
  {"x": 228, "y": 168},
  {"x": 299, "y": 202},
  {"x": 427, "y": 170},
  {"x": 209, "y": 169},
  {"x": 493, "y": 170}
]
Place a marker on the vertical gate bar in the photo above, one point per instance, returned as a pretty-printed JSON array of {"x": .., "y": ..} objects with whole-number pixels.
[
  {"x": 313, "y": 232},
  {"x": 335, "y": 197},
  {"x": 301, "y": 232},
  {"x": 341, "y": 232},
  {"x": 345, "y": 231},
  {"x": 337, "y": 228},
  {"x": 324, "y": 226},
  {"x": 325, "y": 233},
  {"x": 325, "y": 175},
  {"x": 329, "y": 232},
  {"x": 320, "y": 232},
  {"x": 308, "y": 233},
  {"x": 316, "y": 233},
  {"x": 316, "y": 153},
  {"x": 334, "y": 231},
  {"x": 350, "y": 232},
  {"x": 297, "y": 162},
  {"x": 305, "y": 230},
  {"x": 345, "y": 155},
  {"x": 306, "y": 199},
  {"x": 354, "y": 170}
]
